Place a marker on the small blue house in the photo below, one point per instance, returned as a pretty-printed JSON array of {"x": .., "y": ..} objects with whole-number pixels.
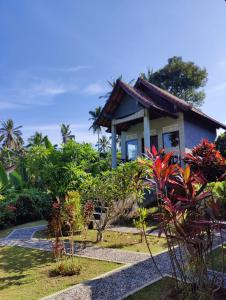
[{"x": 144, "y": 115}]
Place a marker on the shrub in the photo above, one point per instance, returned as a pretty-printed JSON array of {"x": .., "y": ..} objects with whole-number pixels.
[
  {"x": 23, "y": 206},
  {"x": 65, "y": 267}
]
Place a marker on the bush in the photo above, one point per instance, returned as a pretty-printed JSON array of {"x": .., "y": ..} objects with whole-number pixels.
[
  {"x": 18, "y": 207},
  {"x": 65, "y": 267}
]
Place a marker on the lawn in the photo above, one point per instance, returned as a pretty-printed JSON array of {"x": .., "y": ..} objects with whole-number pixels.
[
  {"x": 24, "y": 273},
  {"x": 156, "y": 290},
  {"x": 117, "y": 240},
  {"x": 5, "y": 232}
]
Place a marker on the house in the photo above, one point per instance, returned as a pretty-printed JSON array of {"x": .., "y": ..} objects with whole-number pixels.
[{"x": 145, "y": 115}]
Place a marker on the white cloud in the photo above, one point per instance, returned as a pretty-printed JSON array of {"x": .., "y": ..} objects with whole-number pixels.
[{"x": 94, "y": 89}]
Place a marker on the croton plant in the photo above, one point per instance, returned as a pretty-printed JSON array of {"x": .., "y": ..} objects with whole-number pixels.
[{"x": 188, "y": 214}]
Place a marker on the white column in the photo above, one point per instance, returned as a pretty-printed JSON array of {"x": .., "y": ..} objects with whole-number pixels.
[
  {"x": 123, "y": 144},
  {"x": 113, "y": 146},
  {"x": 147, "y": 132}
]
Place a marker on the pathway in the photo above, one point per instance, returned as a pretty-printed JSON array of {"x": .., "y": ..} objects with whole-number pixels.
[{"x": 137, "y": 272}]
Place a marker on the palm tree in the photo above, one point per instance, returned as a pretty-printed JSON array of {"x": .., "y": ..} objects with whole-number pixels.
[
  {"x": 112, "y": 84},
  {"x": 10, "y": 136},
  {"x": 104, "y": 144},
  {"x": 94, "y": 115},
  {"x": 37, "y": 139},
  {"x": 66, "y": 133}
]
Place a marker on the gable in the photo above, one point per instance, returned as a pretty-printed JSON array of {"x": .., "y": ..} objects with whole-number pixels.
[{"x": 126, "y": 107}]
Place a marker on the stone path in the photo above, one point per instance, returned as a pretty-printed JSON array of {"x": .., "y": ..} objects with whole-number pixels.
[{"x": 137, "y": 272}]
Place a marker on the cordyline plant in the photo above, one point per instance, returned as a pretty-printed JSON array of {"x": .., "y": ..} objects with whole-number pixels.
[{"x": 188, "y": 215}]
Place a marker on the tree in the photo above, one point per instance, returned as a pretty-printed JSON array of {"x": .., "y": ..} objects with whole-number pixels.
[
  {"x": 37, "y": 139},
  {"x": 66, "y": 133},
  {"x": 180, "y": 78},
  {"x": 112, "y": 84},
  {"x": 10, "y": 136},
  {"x": 221, "y": 144},
  {"x": 94, "y": 115},
  {"x": 105, "y": 144}
]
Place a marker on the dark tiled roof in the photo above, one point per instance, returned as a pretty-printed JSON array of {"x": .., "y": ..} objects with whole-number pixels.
[{"x": 148, "y": 102}]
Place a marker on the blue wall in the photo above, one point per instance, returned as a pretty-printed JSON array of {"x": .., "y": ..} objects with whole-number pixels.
[
  {"x": 195, "y": 130},
  {"x": 127, "y": 107}
]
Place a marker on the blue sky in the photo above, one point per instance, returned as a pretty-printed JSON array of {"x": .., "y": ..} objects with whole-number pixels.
[{"x": 55, "y": 56}]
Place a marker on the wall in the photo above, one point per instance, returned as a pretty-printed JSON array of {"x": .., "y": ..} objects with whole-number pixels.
[
  {"x": 127, "y": 107},
  {"x": 195, "y": 131},
  {"x": 158, "y": 127}
]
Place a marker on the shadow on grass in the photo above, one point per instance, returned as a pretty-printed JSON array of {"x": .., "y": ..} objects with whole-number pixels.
[{"x": 18, "y": 260}]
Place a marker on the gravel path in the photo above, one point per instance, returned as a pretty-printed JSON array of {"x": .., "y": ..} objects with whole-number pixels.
[{"x": 138, "y": 271}]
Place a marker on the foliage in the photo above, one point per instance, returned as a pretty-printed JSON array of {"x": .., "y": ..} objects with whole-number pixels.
[
  {"x": 66, "y": 133},
  {"x": 62, "y": 169},
  {"x": 88, "y": 209},
  {"x": 140, "y": 222},
  {"x": 94, "y": 115},
  {"x": 180, "y": 78},
  {"x": 65, "y": 267},
  {"x": 219, "y": 193},
  {"x": 188, "y": 215},
  {"x": 114, "y": 193},
  {"x": 104, "y": 144},
  {"x": 37, "y": 139},
  {"x": 221, "y": 144},
  {"x": 205, "y": 159},
  {"x": 21, "y": 206},
  {"x": 10, "y": 136}
]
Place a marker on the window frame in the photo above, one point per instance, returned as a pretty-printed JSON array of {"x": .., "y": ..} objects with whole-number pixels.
[{"x": 127, "y": 143}]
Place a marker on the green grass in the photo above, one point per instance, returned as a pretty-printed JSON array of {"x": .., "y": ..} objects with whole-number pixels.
[
  {"x": 216, "y": 263},
  {"x": 156, "y": 290},
  {"x": 5, "y": 232},
  {"x": 117, "y": 240},
  {"x": 24, "y": 273}
]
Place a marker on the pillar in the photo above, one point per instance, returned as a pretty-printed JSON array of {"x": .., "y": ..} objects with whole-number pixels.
[
  {"x": 147, "y": 131},
  {"x": 113, "y": 146}
]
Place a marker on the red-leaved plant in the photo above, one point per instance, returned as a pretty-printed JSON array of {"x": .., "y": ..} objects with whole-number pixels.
[{"x": 188, "y": 214}]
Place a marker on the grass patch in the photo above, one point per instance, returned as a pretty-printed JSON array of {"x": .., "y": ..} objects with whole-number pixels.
[
  {"x": 216, "y": 263},
  {"x": 5, "y": 232},
  {"x": 157, "y": 290},
  {"x": 117, "y": 240},
  {"x": 24, "y": 273}
]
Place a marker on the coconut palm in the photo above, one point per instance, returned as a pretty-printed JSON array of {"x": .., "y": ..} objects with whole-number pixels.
[
  {"x": 10, "y": 136},
  {"x": 94, "y": 115},
  {"x": 104, "y": 144},
  {"x": 37, "y": 139},
  {"x": 66, "y": 133},
  {"x": 112, "y": 84}
]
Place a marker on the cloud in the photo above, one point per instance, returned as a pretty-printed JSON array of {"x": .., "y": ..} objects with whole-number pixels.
[
  {"x": 34, "y": 91},
  {"x": 94, "y": 89}
]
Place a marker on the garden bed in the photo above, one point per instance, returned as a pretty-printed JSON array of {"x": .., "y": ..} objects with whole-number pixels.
[
  {"x": 24, "y": 273},
  {"x": 118, "y": 240}
]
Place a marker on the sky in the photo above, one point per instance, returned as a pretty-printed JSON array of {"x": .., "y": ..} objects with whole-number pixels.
[{"x": 56, "y": 56}]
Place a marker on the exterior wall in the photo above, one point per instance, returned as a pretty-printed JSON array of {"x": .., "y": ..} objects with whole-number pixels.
[
  {"x": 158, "y": 127},
  {"x": 127, "y": 107},
  {"x": 195, "y": 131}
]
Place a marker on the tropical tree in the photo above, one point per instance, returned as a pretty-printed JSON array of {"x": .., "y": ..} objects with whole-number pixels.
[
  {"x": 111, "y": 84},
  {"x": 36, "y": 140},
  {"x": 104, "y": 144},
  {"x": 94, "y": 115},
  {"x": 10, "y": 136},
  {"x": 180, "y": 78},
  {"x": 66, "y": 133}
]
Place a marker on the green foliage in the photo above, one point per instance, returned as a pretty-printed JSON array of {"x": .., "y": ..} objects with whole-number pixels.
[
  {"x": 219, "y": 193},
  {"x": 182, "y": 79},
  {"x": 221, "y": 144},
  {"x": 26, "y": 205},
  {"x": 65, "y": 267}
]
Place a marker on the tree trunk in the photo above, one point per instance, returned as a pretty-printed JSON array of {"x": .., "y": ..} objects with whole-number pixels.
[{"x": 99, "y": 236}]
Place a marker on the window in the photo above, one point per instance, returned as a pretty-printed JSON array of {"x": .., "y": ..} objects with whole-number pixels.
[
  {"x": 131, "y": 149},
  {"x": 171, "y": 139},
  {"x": 153, "y": 142}
]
